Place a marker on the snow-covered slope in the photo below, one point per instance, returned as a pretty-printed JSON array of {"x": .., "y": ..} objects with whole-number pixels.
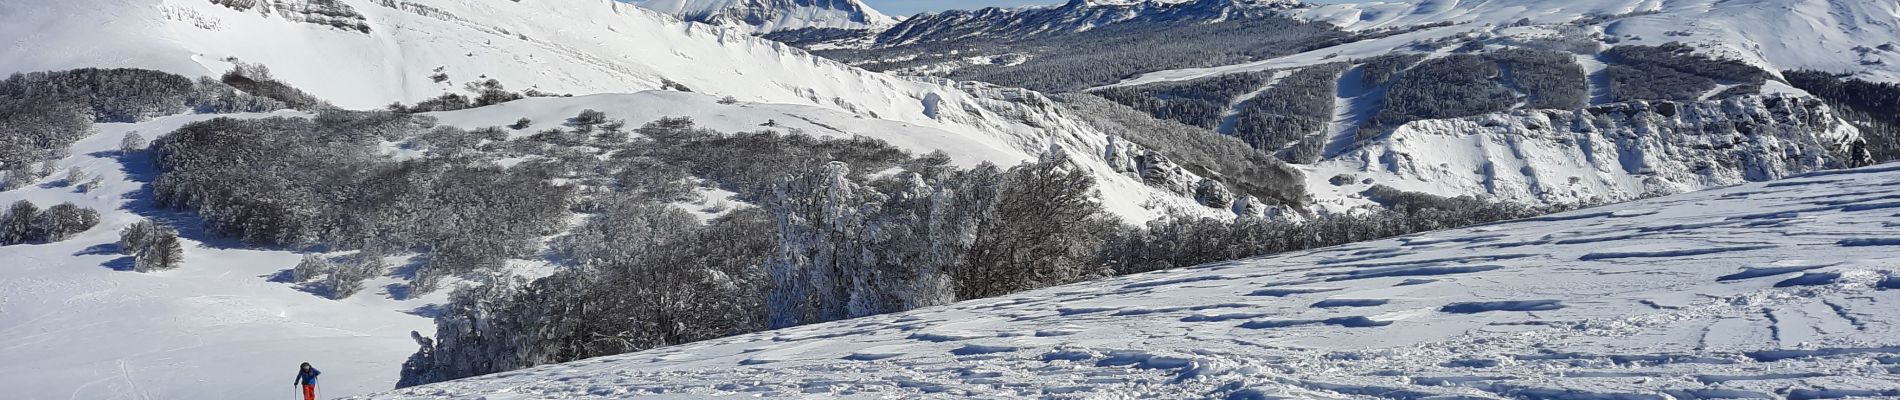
[
  {"x": 774, "y": 15},
  {"x": 79, "y": 325},
  {"x": 1827, "y": 35},
  {"x": 390, "y": 50},
  {"x": 1768, "y": 290}
]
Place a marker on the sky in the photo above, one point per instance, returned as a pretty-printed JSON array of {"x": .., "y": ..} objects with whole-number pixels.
[{"x": 910, "y": 7}]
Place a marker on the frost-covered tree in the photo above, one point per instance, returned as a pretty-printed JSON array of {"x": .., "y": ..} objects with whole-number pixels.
[
  {"x": 815, "y": 269},
  {"x": 61, "y": 222},
  {"x": 347, "y": 278},
  {"x": 74, "y": 177},
  {"x": 483, "y": 329},
  {"x": 311, "y": 267},
  {"x": 153, "y": 246},
  {"x": 1043, "y": 229},
  {"x": 131, "y": 143},
  {"x": 20, "y": 224}
]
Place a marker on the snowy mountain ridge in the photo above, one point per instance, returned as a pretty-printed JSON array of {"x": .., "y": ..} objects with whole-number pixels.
[
  {"x": 774, "y": 15},
  {"x": 1776, "y": 35},
  {"x": 1766, "y": 290},
  {"x": 1074, "y": 16}
]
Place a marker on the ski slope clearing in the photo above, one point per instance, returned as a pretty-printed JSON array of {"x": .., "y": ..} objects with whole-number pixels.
[
  {"x": 1776, "y": 291},
  {"x": 80, "y": 324}
]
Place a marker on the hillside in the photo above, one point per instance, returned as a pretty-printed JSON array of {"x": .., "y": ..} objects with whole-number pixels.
[
  {"x": 200, "y": 194},
  {"x": 1775, "y": 290}
]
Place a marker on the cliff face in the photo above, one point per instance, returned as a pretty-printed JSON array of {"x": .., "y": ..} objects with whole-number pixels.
[{"x": 1612, "y": 152}]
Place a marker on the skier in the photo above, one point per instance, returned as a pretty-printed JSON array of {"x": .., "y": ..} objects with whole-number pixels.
[{"x": 307, "y": 377}]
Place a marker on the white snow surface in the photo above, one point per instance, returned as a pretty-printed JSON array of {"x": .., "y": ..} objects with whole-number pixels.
[
  {"x": 774, "y": 15},
  {"x": 1775, "y": 290}
]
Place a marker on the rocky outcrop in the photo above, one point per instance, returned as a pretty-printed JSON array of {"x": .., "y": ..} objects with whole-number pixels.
[
  {"x": 332, "y": 13},
  {"x": 1612, "y": 152}
]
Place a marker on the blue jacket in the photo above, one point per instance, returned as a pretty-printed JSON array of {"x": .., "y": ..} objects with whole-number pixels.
[{"x": 307, "y": 379}]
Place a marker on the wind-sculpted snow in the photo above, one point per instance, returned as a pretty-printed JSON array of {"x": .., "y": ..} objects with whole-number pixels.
[{"x": 1788, "y": 311}]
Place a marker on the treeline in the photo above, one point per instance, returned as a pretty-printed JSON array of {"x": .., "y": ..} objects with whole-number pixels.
[
  {"x": 1874, "y": 107},
  {"x": 829, "y": 240},
  {"x": 1200, "y": 102},
  {"x": 1549, "y": 79},
  {"x": 1673, "y": 71},
  {"x": 1290, "y": 118},
  {"x": 481, "y": 94},
  {"x": 1458, "y": 85},
  {"x": 1287, "y": 119},
  {"x": 43, "y": 113},
  {"x": 299, "y": 183},
  {"x": 1184, "y": 240}
]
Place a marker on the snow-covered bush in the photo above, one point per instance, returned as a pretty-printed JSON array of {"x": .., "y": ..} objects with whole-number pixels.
[
  {"x": 131, "y": 143},
  {"x": 24, "y": 222},
  {"x": 63, "y": 221},
  {"x": 256, "y": 80},
  {"x": 153, "y": 246},
  {"x": 20, "y": 223},
  {"x": 346, "y": 279},
  {"x": 311, "y": 267}
]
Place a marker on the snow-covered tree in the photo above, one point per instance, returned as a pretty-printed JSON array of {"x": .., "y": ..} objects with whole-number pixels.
[
  {"x": 310, "y": 268},
  {"x": 152, "y": 245},
  {"x": 20, "y": 224},
  {"x": 61, "y": 222},
  {"x": 347, "y": 278},
  {"x": 131, "y": 143},
  {"x": 1042, "y": 229}
]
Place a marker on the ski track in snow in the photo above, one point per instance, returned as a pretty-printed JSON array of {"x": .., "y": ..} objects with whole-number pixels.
[{"x": 1689, "y": 308}]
